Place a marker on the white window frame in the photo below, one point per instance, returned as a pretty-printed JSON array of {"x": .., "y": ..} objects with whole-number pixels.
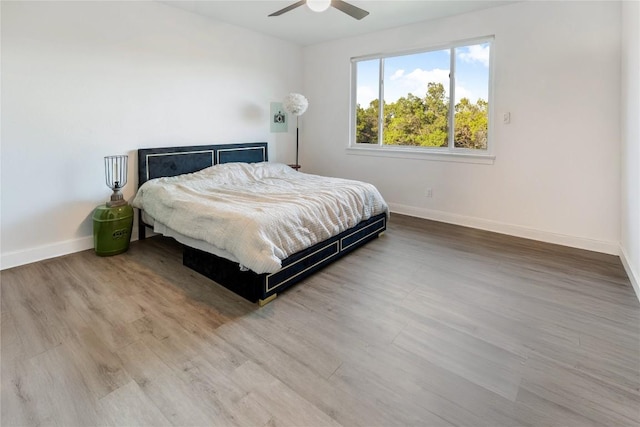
[{"x": 448, "y": 153}]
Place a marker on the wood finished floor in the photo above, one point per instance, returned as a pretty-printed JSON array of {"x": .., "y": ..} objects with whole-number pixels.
[{"x": 430, "y": 325}]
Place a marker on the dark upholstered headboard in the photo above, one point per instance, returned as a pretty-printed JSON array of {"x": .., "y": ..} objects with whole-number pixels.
[{"x": 171, "y": 161}]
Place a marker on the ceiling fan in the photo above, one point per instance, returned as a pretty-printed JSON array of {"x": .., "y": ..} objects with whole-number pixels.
[{"x": 322, "y": 5}]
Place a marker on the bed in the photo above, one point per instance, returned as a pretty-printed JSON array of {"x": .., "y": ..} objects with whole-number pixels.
[{"x": 260, "y": 283}]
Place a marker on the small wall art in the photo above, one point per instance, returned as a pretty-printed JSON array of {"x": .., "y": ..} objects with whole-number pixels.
[{"x": 278, "y": 118}]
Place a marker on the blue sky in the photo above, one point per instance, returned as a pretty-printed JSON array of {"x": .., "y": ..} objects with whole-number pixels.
[{"x": 411, "y": 73}]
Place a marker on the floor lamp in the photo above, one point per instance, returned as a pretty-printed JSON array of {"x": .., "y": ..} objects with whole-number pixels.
[{"x": 295, "y": 104}]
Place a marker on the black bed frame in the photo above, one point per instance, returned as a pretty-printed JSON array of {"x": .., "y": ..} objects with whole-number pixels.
[{"x": 262, "y": 288}]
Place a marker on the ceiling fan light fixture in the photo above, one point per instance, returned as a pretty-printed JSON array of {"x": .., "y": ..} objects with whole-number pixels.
[
  {"x": 318, "y": 5},
  {"x": 322, "y": 5}
]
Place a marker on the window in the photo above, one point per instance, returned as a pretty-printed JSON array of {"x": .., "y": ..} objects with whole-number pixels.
[{"x": 428, "y": 100}]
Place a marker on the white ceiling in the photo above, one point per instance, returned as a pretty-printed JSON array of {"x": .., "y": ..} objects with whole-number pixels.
[{"x": 304, "y": 27}]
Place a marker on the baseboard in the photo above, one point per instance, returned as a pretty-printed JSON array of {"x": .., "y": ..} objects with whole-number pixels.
[
  {"x": 612, "y": 248},
  {"x": 40, "y": 253},
  {"x": 27, "y": 256},
  {"x": 633, "y": 275}
]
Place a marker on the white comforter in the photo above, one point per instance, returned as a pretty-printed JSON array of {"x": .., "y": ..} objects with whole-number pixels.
[{"x": 261, "y": 212}]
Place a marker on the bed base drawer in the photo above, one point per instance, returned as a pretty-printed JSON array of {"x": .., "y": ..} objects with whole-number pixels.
[{"x": 260, "y": 287}]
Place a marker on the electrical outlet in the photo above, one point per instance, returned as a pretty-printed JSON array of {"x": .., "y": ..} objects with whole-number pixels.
[
  {"x": 428, "y": 193},
  {"x": 506, "y": 118}
]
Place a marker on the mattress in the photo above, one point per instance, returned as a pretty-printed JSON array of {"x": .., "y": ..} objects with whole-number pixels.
[{"x": 256, "y": 214}]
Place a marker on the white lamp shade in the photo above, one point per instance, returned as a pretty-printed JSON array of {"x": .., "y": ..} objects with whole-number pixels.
[
  {"x": 318, "y": 5},
  {"x": 295, "y": 104}
]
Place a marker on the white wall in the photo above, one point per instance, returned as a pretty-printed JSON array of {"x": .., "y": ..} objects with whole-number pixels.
[
  {"x": 556, "y": 176},
  {"x": 82, "y": 80},
  {"x": 630, "y": 96}
]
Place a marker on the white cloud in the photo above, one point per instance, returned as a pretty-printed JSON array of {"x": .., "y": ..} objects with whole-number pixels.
[
  {"x": 462, "y": 92},
  {"x": 415, "y": 82},
  {"x": 366, "y": 94},
  {"x": 398, "y": 74},
  {"x": 479, "y": 53}
]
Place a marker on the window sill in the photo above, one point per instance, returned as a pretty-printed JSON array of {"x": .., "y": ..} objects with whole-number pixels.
[{"x": 422, "y": 154}]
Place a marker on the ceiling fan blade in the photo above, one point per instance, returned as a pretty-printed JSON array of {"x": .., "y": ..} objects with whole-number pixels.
[
  {"x": 288, "y": 8},
  {"x": 349, "y": 9}
]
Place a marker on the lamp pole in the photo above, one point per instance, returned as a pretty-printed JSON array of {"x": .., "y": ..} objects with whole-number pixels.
[{"x": 297, "y": 164}]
